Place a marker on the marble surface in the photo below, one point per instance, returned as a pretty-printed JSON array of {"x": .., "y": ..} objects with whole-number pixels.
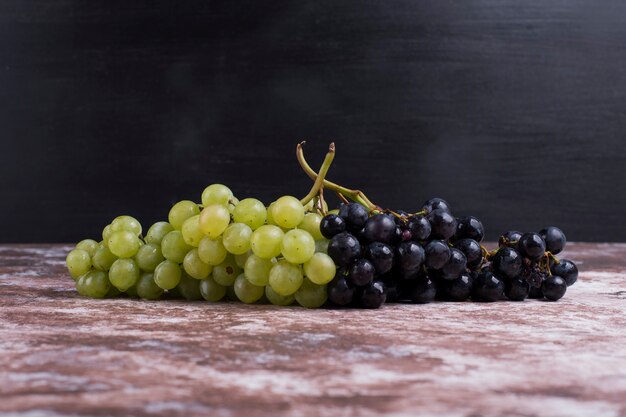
[{"x": 63, "y": 355}]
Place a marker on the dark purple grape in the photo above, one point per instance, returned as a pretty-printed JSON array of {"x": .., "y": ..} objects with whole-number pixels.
[
  {"x": 507, "y": 262},
  {"x": 554, "y": 287},
  {"x": 362, "y": 272},
  {"x": 421, "y": 290},
  {"x": 531, "y": 246},
  {"x": 516, "y": 289},
  {"x": 567, "y": 270},
  {"x": 487, "y": 287},
  {"x": 344, "y": 249},
  {"x": 455, "y": 266},
  {"x": 460, "y": 289},
  {"x": 436, "y": 204},
  {"x": 380, "y": 228},
  {"x": 354, "y": 214},
  {"x": 535, "y": 293},
  {"x": 332, "y": 225},
  {"x": 373, "y": 295},
  {"x": 340, "y": 291},
  {"x": 469, "y": 227},
  {"x": 381, "y": 256},
  {"x": 472, "y": 250},
  {"x": 442, "y": 223},
  {"x": 510, "y": 238},
  {"x": 419, "y": 227},
  {"x": 437, "y": 254},
  {"x": 397, "y": 237},
  {"x": 410, "y": 257},
  {"x": 554, "y": 238}
]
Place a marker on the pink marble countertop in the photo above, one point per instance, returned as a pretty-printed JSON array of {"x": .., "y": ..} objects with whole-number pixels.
[{"x": 63, "y": 355}]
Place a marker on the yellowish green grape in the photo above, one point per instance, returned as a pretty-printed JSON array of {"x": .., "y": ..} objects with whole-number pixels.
[
  {"x": 211, "y": 290},
  {"x": 167, "y": 275},
  {"x": 311, "y": 223},
  {"x": 270, "y": 215},
  {"x": 277, "y": 299},
  {"x": 214, "y": 219},
  {"x": 78, "y": 263},
  {"x": 174, "y": 247},
  {"x": 124, "y": 244},
  {"x": 250, "y": 211},
  {"x": 103, "y": 259},
  {"x": 181, "y": 211},
  {"x": 285, "y": 278},
  {"x": 191, "y": 231},
  {"x": 236, "y": 238},
  {"x": 126, "y": 223},
  {"x": 287, "y": 212},
  {"x": 257, "y": 270},
  {"x": 298, "y": 246},
  {"x": 195, "y": 267},
  {"x": 322, "y": 245},
  {"x": 320, "y": 269},
  {"x": 212, "y": 251},
  {"x": 124, "y": 273},
  {"x": 216, "y": 194},
  {"x": 149, "y": 256},
  {"x": 94, "y": 284},
  {"x": 311, "y": 295},
  {"x": 246, "y": 291},
  {"x": 106, "y": 233},
  {"x": 266, "y": 241},
  {"x": 189, "y": 288},
  {"x": 310, "y": 206},
  {"x": 157, "y": 231},
  {"x": 147, "y": 288},
  {"x": 88, "y": 245},
  {"x": 240, "y": 260},
  {"x": 226, "y": 272}
]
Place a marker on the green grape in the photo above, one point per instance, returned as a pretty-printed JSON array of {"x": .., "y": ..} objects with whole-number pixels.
[
  {"x": 88, "y": 245},
  {"x": 298, "y": 246},
  {"x": 257, "y": 270},
  {"x": 240, "y": 260},
  {"x": 320, "y": 269},
  {"x": 167, "y": 275},
  {"x": 230, "y": 293},
  {"x": 212, "y": 251},
  {"x": 157, "y": 231},
  {"x": 310, "y": 206},
  {"x": 277, "y": 299},
  {"x": 311, "y": 224},
  {"x": 214, "y": 220},
  {"x": 335, "y": 211},
  {"x": 194, "y": 266},
  {"x": 124, "y": 273},
  {"x": 94, "y": 284},
  {"x": 181, "y": 211},
  {"x": 147, "y": 288},
  {"x": 174, "y": 247},
  {"x": 103, "y": 259},
  {"x": 191, "y": 231},
  {"x": 270, "y": 214},
  {"x": 285, "y": 278},
  {"x": 211, "y": 290},
  {"x": 250, "y": 211},
  {"x": 149, "y": 256},
  {"x": 189, "y": 288},
  {"x": 226, "y": 272},
  {"x": 311, "y": 295},
  {"x": 132, "y": 291},
  {"x": 322, "y": 245},
  {"x": 113, "y": 292},
  {"x": 124, "y": 244},
  {"x": 106, "y": 233},
  {"x": 216, "y": 194},
  {"x": 236, "y": 238},
  {"x": 78, "y": 263},
  {"x": 246, "y": 291},
  {"x": 232, "y": 204},
  {"x": 126, "y": 223},
  {"x": 266, "y": 241},
  {"x": 287, "y": 212}
]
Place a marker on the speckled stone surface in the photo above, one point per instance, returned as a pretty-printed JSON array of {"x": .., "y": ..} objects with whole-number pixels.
[{"x": 61, "y": 354}]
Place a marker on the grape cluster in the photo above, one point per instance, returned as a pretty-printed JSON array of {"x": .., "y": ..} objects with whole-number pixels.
[
  {"x": 396, "y": 256},
  {"x": 220, "y": 248}
]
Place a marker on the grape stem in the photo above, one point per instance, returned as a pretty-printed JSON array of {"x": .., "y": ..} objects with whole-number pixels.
[
  {"x": 319, "y": 180},
  {"x": 354, "y": 195}
]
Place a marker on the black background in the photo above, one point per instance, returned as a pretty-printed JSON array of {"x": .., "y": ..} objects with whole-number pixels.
[{"x": 512, "y": 111}]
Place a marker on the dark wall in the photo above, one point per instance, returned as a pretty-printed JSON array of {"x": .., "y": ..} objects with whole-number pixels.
[{"x": 514, "y": 111}]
